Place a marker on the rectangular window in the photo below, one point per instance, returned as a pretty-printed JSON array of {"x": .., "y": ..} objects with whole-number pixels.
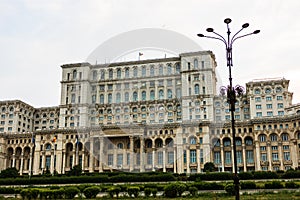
[
  {"x": 193, "y": 156},
  {"x": 263, "y": 148},
  {"x": 263, "y": 157},
  {"x": 48, "y": 162},
  {"x": 274, "y": 148},
  {"x": 280, "y": 113},
  {"x": 280, "y": 105},
  {"x": 149, "y": 158},
  {"x": 239, "y": 157},
  {"x": 128, "y": 158},
  {"x": 274, "y": 156},
  {"x": 286, "y": 156},
  {"x": 249, "y": 156},
  {"x": 160, "y": 158},
  {"x": 257, "y": 99},
  {"x": 170, "y": 157},
  {"x": 259, "y": 114},
  {"x": 110, "y": 159},
  {"x": 201, "y": 155},
  {"x": 269, "y": 106},
  {"x": 227, "y": 157},
  {"x": 217, "y": 157},
  {"x": 120, "y": 160},
  {"x": 269, "y": 98},
  {"x": 279, "y": 98},
  {"x": 258, "y": 106},
  {"x": 269, "y": 113}
]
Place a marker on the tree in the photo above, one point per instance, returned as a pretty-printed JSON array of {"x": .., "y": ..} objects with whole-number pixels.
[
  {"x": 209, "y": 167},
  {"x": 9, "y": 173}
]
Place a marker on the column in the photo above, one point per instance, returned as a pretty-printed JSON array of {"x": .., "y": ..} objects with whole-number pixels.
[
  {"x": 63, "y": 161},
  {"x": 188, "y": 160},
  {"x": 101, "y": 154},
  {"x": 91, "y": 166},
  {"x": 74, "y": 158},
  {"x": 14, "y": 161},
  {"x": 52, "y": 163},
  {"x": 244, "y": 158},
  {"x": 164, "y": 156},
  {"x": 198, "y": 159},
  {"x": 257, "y": 153},
  {"x": 83, "y": 160},
  {"x": 280, "y": 156},
  {"x": 30, "y": 163},
  {"x": 175, "y": 161},
  {"x": 153, "y": 159},
  {"x": 22, "y": 161},
  {"x": 142, "y": 167},
  {"x": 294, "y": 154},
  {"x": 222, "y": 157},
  {"x": 232, "y": 158},
  {"x": 131, "y": 153}
]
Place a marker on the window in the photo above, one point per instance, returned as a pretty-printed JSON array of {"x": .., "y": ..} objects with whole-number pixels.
[
  {"x": 74, "y": 74},
  {"x": 239, "y": 157},
  {"x": 269, "y": 113},
  {"x": 273, "y": 137},
  {"x": 127, "y": 73},
  {"x": 120, "y": 160},
  {"x": 177, "y": 65},
  {"x": 110, "y": 159},
  {"x": 249, "y": 156},
  {"x": 161, "y": 70},
  {"x": 280, "y": 113},
  {"x": 101, "y": 99},
  {"x": 196, "y": 89},
  {"x": 193, "y": 140},
  {"x": 169, "y": 69},
  {"x": 286, "y": 156},
  {"x": 217, "y": 157},
  {"x": 109, "y": 98},
  {"x": 135, "y": 96},
  {"x": 274, "y": 148},
  {"x": 279, "y": 98},
  {"x": 118, "y": 73},
  {"x": 275, "y": 156},
  {"x": 227, "y": 157},
  {"x": 135, "y": 72},
  {"x": 278, "y": 90},
  {"x": 160, "y": 158},
  {"x": 263, "y": 157},
  {"x": 170, "y": 157},
  {"x": 170, "y": 94},
  {"x": 195, "y": 63},
  {"x": 73, "y": 98},
  {"x": 152, "y": 73},
  {"x": 280, "y": 105},
  {"x": 152, "y": 95},
  {"x": 144, "y": 71},
  {"x": 257, "y": 99},
  {"x": 269, "y": 106},
  {"x": 268, "y": 91},
  {"x": 110, "y": 74},
  {"x": 161, "y": 94},
  {"x": 258, "y": 114},
  {"x": 149, "y": 158},
  {"x": 102, "y": 75},
  {"x": 94, "y": 75},
  {"x": 258, "y": 107},
  {"x": 144, "y": 96},
  {"x": 178, "y": 93},
  {"x": 263, "y": 148},
  {"x": 262, "y": 138},
  {"x": 268, "y": 98},
  {"x": 193, "y": 156},
  {"x": 257, "y": 91},
  {"x": 93, "y": 98},
  {"x": 285, "y": 137}
]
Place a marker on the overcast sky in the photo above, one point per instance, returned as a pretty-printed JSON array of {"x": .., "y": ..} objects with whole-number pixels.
[{"x": 37, "y": 36}]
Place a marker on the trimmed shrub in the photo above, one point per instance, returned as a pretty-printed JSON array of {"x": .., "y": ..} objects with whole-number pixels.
[
  {"x": 154, "y": 191},
  {"x": 180, "y": 188},
  {"x": 91, "y": 192},
  {"x": 291, "y": 184},
  {"x": 248, "y": 185},
  {"x": 7, "y": 190},
  {"x": 147, "y": 192},
  {"x": 9, "y": 173},
  {"x": 34, "y": 193},
  {"x": 273, "y": 185},
  {"x": 265, "y": 175},
  {"x": 193, "y": 191},
  {"x": 171, "y": 190},
  {"x": 134, "y": 190},
  {"x": 114, "y": 190},
  {"x": 71, "y": 192},
  {"x": 229, "y": 188},
  {"x": 245, "y": 176}
]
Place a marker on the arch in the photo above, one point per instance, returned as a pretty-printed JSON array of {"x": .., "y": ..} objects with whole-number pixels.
[
  {"x": 298, "y": 112},
  {"x": 298, "y": 135},
  {"x": 227, "y": 142},
  {"x": 148, "y": 143},
  {"x": 193, "y": 140},
  {"x": 135, "y": 96},
  {"x": 48, "y": 147},
  {"x": 109, "y": 98},
  {"x": 216, "y": 142},
  {"x": 262, "y": 138},
  {"x": 170, "y": 94},
  {"x": 27, "y": 151},
  {"x": 161, "y": 94},
  {"x": 248, "y": 141},
  {"x": 285, "y": 137},
  {"x": 119, "y": 73},
  {"x": 137, "y": 144},
  {"x": 238, "y": 141},
  {"x": 196, "y": 89},
  {"x": 158, "y": 143},
  {"x": 69, "y": 147},
  {"x": 18, "y": 152},
  {"x": 126, "y": 72},
  {"x": 152, "y": 95},
  {"x": 75, "y": 74},
  {"x": 118, "y": 98},
  {"x": 143, "y": 95},
  {"x": 196, "y": 63},
  {"x": 273, "y": 137},
  {"x": 79, "y": 146},
  {"x": 120, "y": 145},
  {"x": 152, "y": 72},
  {"x": 10, "y": 151},
  {"x": 110, "y": 74}
]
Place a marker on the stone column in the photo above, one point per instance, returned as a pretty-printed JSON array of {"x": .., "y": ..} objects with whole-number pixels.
[
  {"x": 91, "y": 166},
  {"x": 294, "y": 154},
  {"x": 153, "y": 159},
  {"x": 30, "y": 163},
  {"x": 21, "y": 166},
  {"x": 188, "y": 160},
  {"x": 257, "y": 153},
  {"x": 175, "y": 161},
  {"x": 74, "y": 158},
  {"x": 164, "y": 156},
  {"x": 52, "y": 163},
  {"x": 244, "y": 158},
  {"x": 222, "y": 157},
  {"x": 280, "y": 155},
  {"x": 83, "y": 160},
  {"x": 131, "y": 153},
  {"x": 101, "y": 154},
  {"x": 63, "y": 161},
  {"x": 269, "y": 155},
  {"x": 198, "y": 159},
  {"x": 232, "y": 158},
  {"x": 14, "y": 161}
]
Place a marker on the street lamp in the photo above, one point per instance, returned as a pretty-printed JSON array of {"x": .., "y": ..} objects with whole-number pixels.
[{"x": 231, "y": 91}]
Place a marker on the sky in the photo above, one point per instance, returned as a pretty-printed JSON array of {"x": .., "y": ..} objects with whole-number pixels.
[{"x": 38, "y": 36}]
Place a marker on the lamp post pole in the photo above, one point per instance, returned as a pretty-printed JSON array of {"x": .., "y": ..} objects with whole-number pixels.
[{"x": 230, "y": 90}]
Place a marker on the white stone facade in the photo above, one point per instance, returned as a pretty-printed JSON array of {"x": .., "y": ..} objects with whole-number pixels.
[{"x": 151, "y": 115}]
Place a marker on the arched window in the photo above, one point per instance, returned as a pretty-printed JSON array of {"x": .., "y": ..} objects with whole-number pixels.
[
  {"x": 298, "y": 112},
  {"x": 109, "y": 98},
  {"x": 169, "y": 69},
  {"x": 177, "y": 68},
  {"x": 227, "y": 142},
  {"x": 118, "y": 73},
  {"x": 126, "y": 97},
  {"x": 238, "y": 142},
  {"x": 135, "y": 72},
  {"x": 102, "y": 75},
  {"x": 192, "y": 140},
  {"x": 110, "y": 74},
  {"x": 273, "y": 137},
  {"x": 216, "y": 142},
  {"x": 134, "y": 109},
  {"x": 144, "y": 96},
  {"x": 285, "y": 137},
  {"x": 248, "y": 141},
  {"x": 144, "y": 71},
  {"x": 135, "y": 96},
  {"x": 161, "y": 94},
  {"x": 127, "y": 73},
  {"x": 170, "y": 94},
  {"x": 48, "y": 147},
  {"x": 161, "y": 70},
  {"x": 101, "y": 99},
  {"x": 262, "y": 138},
  {"x": 118, "y": 98},
  {"x": 152, "y": 95},
  {"x": 195, "y": 63},
  {"x": 178, "y": 93},
  {"x": 152, "y": 71},
  {"x": 74, "y": 74},
  {"x": 197, "y": 89},
  {"x": 120, "y": 145},
  {"x": 94, "y": 75}
]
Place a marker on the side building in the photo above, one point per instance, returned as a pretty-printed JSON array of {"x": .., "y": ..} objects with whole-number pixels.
[{"x": 151, "y": 115}]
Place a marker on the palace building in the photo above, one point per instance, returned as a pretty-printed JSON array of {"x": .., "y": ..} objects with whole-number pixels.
[{"x": 151, "y": 115}]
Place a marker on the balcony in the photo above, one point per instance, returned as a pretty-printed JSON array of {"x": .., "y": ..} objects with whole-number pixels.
[
  {"x": 275, "y": 162},
  {"x": 264, "y": 163},
  {"x": 287, "y": 162}
]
